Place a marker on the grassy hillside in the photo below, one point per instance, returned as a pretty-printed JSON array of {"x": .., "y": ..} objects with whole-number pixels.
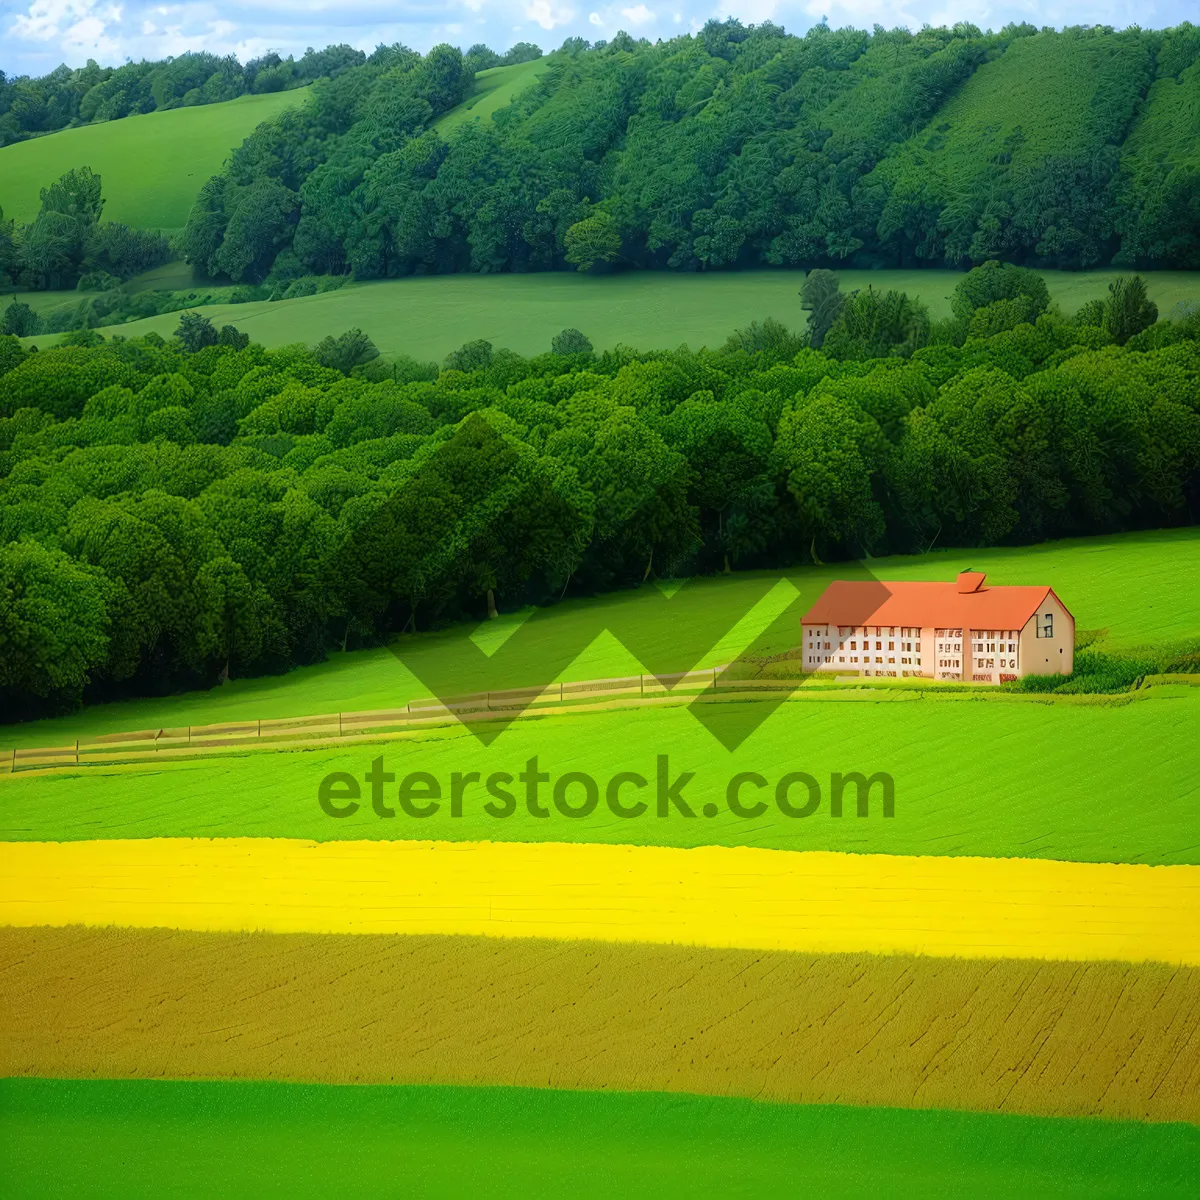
[
  {"x": 152, "y": 166},
  {"x": 430, "y": 316},
  {"x": 737, "y": 148},
  {"x": 988, "y": 161},
  {"x": 493, "y": 89},
  {"x": 1160, "y": 171},
  {"x": 1103, "y": 580}
]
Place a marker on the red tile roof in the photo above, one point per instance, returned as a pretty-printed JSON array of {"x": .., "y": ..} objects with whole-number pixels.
[{"x": 937, "y": 605}]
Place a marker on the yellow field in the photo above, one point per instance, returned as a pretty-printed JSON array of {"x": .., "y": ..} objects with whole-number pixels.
[{"x": 814, "y": 902}]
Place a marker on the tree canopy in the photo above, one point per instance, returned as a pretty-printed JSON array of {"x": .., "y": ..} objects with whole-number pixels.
[
  {"x": 733, "y": 147},
  {"x": 175, "y": 509}
]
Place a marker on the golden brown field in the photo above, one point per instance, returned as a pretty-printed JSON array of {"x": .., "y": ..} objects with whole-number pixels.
[{"x": 1052, "y": 1038}]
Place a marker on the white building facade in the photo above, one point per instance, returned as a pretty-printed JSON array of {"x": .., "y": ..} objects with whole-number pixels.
[{"x": 961, "y": 631}]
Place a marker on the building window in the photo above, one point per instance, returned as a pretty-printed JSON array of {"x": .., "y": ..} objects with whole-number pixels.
[{"x": 1046, "y": 626}]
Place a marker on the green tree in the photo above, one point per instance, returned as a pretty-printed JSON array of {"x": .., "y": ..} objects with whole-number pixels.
[
  {"x": 19, "y": 320},
  {"x": 822, "y": 298},
  {"x": 195, "y": 331},
  {"x": 827, "y": 454},
  {"x": 995, "y": 281},
  {"x": 769, "y": 337},
  {"x": 345, "y": 352},
  {"x": 1128, "y": 310},
  {"x": 875, "y": 324},
  {"x": 231, "y": 336},
  {"x": 12, "y": 353},
  {"x": 76, "y": 194},
  {"x": 570, "y": 341},
  {"x": 9, "y": 257},
  {"x": 471, "y": 356},
  {"x": 593, "y": 240},
  {"x": 53, "y": 623}
]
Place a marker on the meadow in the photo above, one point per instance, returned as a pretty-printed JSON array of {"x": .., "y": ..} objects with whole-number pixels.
[
  {"x": 493, "y": 89},
  {"x": 152, "y": 166},
  {"x": 136, "y": 1138},
  {"x": 1082, "y": 782},
  {"x": 1135, "y": 587},
  {"x": 428, "y": 316}
]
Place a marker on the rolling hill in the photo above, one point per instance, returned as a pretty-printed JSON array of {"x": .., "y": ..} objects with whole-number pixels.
[
  {"x": 1000, "y": 163},
  {"x": 493, "y": 89},
  {"x": 152, "y": 165},
  {"x": 428, "y": 317}
]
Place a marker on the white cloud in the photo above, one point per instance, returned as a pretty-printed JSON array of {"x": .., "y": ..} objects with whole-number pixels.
[
  {"x": 51, "y": 19},
  {"x": 595, "y": 19},
  {"x": 638, "y": 15},
  {"x": 548, "y": 14}
]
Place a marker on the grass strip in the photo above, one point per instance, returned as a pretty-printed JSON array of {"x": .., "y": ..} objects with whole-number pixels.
[
  {"x": 1093, "y": 783},
  {"x": 158, "y": 1138}
]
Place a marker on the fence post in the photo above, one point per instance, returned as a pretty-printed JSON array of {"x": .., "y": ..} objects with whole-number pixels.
[
  {"x": 77, "y": 751},
  {"x": 560, "y": 691},
  {"x": 13, "y": 768},
  {"x": 189, "y": 735},
  {"x": 260, "y": 726},
  {"x": 339, "y": 724},
  {"x": 714, "y": 679}
]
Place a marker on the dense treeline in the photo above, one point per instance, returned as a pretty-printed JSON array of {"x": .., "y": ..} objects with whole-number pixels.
[
  {"x": 739, "y": 147},
  {"x": 67, "y": 97},
  {"x": 66, "y": 245},
  {"x": 172, "y": 509}
]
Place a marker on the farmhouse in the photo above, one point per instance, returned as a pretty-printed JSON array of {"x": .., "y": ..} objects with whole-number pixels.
[{"x": 963, "y": 630}]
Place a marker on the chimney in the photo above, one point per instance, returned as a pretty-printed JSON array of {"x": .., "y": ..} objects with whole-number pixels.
[{"x": 970, "y": 581}]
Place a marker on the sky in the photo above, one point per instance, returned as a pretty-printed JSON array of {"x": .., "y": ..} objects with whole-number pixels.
[{"x": 36, "y": 35}]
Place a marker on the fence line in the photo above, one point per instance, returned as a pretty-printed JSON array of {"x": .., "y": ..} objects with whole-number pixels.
[
  {"x": 348, "y": 728},
  {"x": 280, "y": 733}
]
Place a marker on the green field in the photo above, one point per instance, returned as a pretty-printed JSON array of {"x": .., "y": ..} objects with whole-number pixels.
[
  {"x": 1075, "y": 782},
  {"x": 427, "y": 317},
  {"x": 1136, "y": 586},
  {"x": 967, "y": 779},
  {"x": 1040, "y": 97},
  {"x": 152, "y": 166},
  {"x": 155, "y": 1138},
  {"x": 493, "y": 89}
]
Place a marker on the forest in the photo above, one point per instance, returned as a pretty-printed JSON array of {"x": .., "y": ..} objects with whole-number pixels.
[
  {"x": 172, "y": 510},
  {"x": 735, "y": 147},
  {"x": 67, "y": 97}
]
